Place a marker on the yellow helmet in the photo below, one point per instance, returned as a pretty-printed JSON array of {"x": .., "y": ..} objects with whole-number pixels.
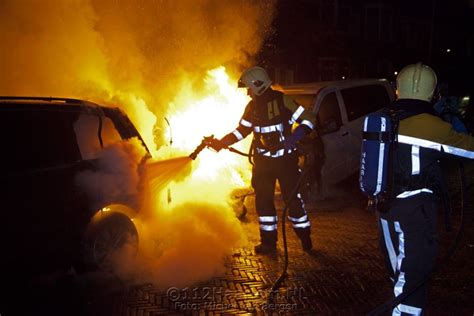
[
  {"x": 256, "y": 79},
  {"x": 416, "y": 81}
]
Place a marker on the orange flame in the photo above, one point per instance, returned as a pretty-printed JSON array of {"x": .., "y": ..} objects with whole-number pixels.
[{"x": 192, "y": 115}]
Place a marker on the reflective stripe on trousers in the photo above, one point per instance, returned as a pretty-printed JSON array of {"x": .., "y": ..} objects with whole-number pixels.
[
  {"x": 300, "y": 222},
  {"x": 396, "y": 260},
  {"x": 268, "y": 223}
]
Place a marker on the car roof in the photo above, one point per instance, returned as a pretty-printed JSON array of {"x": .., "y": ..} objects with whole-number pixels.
[
  {"x": 51, "y": 103},
  {"x": 315, "y": 87}
]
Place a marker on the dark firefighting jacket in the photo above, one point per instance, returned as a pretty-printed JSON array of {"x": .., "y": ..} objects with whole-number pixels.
[
  {"x": 423, "y": 139},
  {"x": 270, "y": 117}
]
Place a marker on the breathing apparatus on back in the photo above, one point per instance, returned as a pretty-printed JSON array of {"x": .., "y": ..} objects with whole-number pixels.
[{"x": 380, "y": 132}]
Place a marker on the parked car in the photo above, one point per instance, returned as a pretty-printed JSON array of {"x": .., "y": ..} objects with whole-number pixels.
[
  {"x": 339, "y": 107},
  {"x": 49, "y": 220}
]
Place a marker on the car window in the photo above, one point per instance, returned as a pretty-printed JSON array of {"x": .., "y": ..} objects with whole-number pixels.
[
  {"x": 37, "y": 139},
  {"x": 329, "y": 115},
  {"x": 87, "y": 132},
  {"x": 110, "y": 135},
  {"x": 360, "y": 101}
]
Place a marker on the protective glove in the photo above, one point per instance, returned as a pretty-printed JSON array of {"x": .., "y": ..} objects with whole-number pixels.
[
  {"x": 290, "y": 142},
  {"x": 224, "y": 142}
]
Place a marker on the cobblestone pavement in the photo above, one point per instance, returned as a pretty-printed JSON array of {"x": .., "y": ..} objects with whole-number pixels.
[
  {"x": 327, "y": 281},
  {"x": 344, "y": 276}
]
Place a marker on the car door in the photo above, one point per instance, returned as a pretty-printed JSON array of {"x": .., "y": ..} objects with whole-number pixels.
[
  {"x": 334, "y": 134},
  {"x": 37, "y": 183}
]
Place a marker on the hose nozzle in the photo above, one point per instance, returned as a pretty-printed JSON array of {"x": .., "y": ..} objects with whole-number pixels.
[{"x": 206, "y": 141}]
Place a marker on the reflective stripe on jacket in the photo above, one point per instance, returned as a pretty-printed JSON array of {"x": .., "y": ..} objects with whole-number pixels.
[
  {"x": 272, "y": 116},
  {"x": 422, "y": 140}
]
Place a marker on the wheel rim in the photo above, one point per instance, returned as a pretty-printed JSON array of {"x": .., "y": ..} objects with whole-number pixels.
[{"x": 109, "y": 242}]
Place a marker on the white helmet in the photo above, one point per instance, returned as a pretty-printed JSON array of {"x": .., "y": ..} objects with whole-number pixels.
[
  {"x": 256, "y": 79},
  {"x": 416, "y": 81}
]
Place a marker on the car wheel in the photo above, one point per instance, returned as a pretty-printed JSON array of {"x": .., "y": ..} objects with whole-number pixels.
[{"x": 114, "y": 234}]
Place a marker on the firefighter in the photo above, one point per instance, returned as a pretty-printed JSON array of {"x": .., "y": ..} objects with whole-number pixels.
[
  {"x": 408, "y": 229},
  {"x": 270, "y": 115}
]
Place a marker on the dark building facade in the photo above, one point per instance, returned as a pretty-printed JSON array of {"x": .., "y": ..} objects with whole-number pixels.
[{"x": 318, "y": 40}]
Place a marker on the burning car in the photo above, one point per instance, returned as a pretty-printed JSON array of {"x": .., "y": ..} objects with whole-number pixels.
[{"x": 62, "y": 201}]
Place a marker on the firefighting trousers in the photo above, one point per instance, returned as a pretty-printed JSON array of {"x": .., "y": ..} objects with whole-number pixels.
[
  {"x": 410, "y": 243},
  {"x": 264, "y": 175}
]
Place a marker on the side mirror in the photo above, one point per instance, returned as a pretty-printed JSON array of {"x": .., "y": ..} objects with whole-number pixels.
[{"x": 329, "y": 126}]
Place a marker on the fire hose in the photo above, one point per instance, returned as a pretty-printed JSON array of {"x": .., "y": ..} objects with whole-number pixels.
[
  {"x": 277, "y": 284},
  {"x": 207, "y": 141},
  {"x": 383, "y": 308}
]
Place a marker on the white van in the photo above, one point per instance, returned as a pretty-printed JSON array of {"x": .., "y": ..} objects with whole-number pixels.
[{"x": 340, "y": 107}]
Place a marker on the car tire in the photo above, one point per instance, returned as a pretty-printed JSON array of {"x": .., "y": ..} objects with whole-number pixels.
[{"x": 104, "y": 238}]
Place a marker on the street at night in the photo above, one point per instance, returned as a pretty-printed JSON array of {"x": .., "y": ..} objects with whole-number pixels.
[{"x": 205, "y": 157}]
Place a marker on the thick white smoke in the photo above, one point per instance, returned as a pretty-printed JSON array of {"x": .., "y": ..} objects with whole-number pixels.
[{"x": 138, "y": 55}]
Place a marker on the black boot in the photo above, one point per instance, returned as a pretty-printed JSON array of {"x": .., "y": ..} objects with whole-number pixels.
[
  {"x": 265, "y": 249},
  {"x": 307, "y": 244}
]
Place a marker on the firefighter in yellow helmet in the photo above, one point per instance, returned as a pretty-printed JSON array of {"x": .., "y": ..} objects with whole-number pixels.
[
  {"x": 270, "y": 115},
  {"x": 409, "y": 236}
]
